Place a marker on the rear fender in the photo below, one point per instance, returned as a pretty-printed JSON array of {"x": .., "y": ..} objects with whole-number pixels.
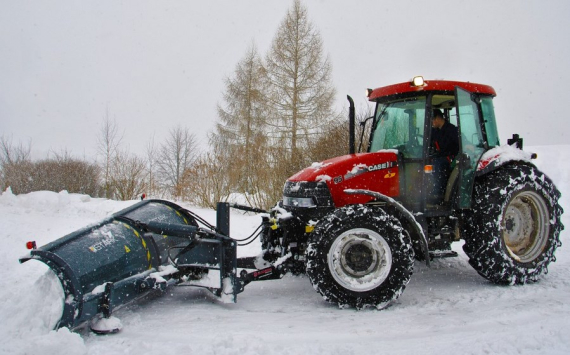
[
  {"x": 495, "y": 158},
  {"x": 416, "y": 231}
]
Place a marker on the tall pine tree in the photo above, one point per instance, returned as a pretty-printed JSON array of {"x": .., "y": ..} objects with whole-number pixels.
[
  {"x": 301, "y": 90},
  {"x": 239, "y": 140}
]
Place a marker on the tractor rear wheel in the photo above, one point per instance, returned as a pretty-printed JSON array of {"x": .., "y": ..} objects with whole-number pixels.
[
  {"x": 359, "y": 256},
  {"x": 514, "y": 227}
]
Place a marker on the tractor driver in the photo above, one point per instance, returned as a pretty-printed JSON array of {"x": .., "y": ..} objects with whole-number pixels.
[{"x": 444, "y": 146}]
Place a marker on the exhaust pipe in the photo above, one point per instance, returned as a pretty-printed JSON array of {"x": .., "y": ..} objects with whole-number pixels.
[{"x": 351, "y": 125}]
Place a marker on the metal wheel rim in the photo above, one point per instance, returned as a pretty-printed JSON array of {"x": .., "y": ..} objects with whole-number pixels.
[
  {"x": 360, "y": 259},
  {"x": 525, "y": 226}
]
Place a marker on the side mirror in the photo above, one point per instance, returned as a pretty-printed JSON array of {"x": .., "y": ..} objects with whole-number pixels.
[{"x": 516, "y": 140}]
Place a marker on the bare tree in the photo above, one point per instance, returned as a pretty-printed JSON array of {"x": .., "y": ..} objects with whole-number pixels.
[
  {"x": 151, "y": 152},
  {"x": 334, "y": 141},
  {"x": 11, "y": 153},
  {"x": 301, "y": 91},
  {"x": 19, "y": 176},
  {"x": 128, "y": 176},
  {"x": 61, "y": 173},
  {"x": 64, "y": 172},
  {"x": 109, "y": 140},
  {"x": 239, "y": 137},
  {"x": 206, "y": 182},
  {"x": 175, "y": 156},
  {"x": 15, "y": 163},
  {"x": 331, "y": 142}
]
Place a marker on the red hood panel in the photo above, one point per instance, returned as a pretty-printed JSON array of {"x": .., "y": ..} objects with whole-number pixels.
[{"x": 369, "y": 171}]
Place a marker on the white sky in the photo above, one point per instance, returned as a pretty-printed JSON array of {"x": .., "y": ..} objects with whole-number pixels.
[{"x": 156, "y": 64}]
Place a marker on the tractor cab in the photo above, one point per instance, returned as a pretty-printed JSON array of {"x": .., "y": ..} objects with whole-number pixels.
[{"x": 403, "y": 122}]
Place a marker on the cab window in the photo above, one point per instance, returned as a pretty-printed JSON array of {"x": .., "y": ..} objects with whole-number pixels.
[
  {"x": 400, "y": 125},
  {"x": 490, "y": 122}
]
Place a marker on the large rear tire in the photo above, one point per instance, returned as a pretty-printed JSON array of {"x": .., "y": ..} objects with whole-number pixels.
[
  {"x": 359, "y": 256},
  {"x": 514, "y": 227}
]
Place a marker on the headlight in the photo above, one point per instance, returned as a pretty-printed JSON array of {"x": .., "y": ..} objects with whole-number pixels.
[{"x": 298, "y": 201}]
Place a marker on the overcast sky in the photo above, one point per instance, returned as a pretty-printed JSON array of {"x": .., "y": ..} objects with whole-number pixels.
[{"x": 155, "y": 64}]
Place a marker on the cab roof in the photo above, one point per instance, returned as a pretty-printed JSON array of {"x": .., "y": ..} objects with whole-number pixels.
[{"x": 408, "y": 88}]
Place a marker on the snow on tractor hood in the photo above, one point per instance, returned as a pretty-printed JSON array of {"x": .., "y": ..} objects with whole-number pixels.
[{"x": 355, "y": 171}]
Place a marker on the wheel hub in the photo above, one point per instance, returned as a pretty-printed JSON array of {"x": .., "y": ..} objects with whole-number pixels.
[
  {"x": 360, "y": 259},
  {"x": 525, "y": 226}
]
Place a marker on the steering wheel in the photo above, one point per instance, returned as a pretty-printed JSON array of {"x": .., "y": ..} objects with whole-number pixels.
[{"x": 415, "y": 145}]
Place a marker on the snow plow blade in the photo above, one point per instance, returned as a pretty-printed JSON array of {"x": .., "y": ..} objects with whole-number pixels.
[{"x": 142, "y": 248}]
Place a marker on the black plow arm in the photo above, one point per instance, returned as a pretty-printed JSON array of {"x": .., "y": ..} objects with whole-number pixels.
[{"x": 175, "y": 230}]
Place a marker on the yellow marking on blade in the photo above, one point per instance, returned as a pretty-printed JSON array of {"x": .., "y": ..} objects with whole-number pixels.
[{"x": 127, "y": 249}]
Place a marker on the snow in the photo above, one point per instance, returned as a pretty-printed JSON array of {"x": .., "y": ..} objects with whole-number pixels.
[
  {"x": 445, "y": 309},
  {"x": 106, "y": 325},
  {"x": 319, "y": 165},
  {"x": 504, "y": 154},
  {"x": 323, "y": 178}
]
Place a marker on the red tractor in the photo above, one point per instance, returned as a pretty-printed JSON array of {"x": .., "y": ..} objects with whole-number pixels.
[{"x": 356, "y": 223}]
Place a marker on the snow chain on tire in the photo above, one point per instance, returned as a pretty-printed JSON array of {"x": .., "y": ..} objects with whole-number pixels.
[
  {"x": 514, "y": 225},
  {"x": 359, "y": 256}
]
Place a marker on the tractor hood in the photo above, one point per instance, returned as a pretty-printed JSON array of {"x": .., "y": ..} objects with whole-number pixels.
[{"x": 371, "y": 171}]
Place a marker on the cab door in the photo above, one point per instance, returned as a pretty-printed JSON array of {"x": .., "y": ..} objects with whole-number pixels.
[{"x": 472, "y": 143}]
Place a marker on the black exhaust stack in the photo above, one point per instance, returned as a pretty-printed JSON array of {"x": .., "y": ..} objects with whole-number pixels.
[{"x": 351, "y": 125}]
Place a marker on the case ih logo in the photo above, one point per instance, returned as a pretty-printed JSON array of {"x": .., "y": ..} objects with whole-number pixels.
[
  {"x": 386, "y": 165},
  {"x": 361, "y": 169}
]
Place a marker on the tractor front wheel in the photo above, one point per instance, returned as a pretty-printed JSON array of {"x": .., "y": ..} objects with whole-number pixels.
[
  {"x": 359, "y": 256},
  {"x": 514, "y": 227}
]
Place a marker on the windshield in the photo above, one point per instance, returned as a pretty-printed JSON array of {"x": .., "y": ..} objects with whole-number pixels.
[{"x": 400, "y": 125}]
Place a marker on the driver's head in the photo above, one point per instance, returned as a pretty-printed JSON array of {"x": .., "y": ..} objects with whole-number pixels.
[{"x": 437, "y": 119}]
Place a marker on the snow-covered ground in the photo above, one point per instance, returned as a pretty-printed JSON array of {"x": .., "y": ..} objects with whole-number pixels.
[{"x": 446, "y": 309}]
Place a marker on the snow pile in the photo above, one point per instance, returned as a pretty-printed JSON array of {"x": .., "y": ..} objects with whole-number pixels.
[
  {"x": 31, "y": 309},
  {"x": 445, "y": 309}
]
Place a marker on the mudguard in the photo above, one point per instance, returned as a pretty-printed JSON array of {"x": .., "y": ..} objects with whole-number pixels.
[{"x": 496, "y": 157}]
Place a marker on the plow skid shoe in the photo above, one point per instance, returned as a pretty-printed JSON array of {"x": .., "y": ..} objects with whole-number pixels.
[{"x": 115, "y": 261}]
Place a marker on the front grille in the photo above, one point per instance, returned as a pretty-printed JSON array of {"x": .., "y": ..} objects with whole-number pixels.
[{"x": 318, "y": 191}]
